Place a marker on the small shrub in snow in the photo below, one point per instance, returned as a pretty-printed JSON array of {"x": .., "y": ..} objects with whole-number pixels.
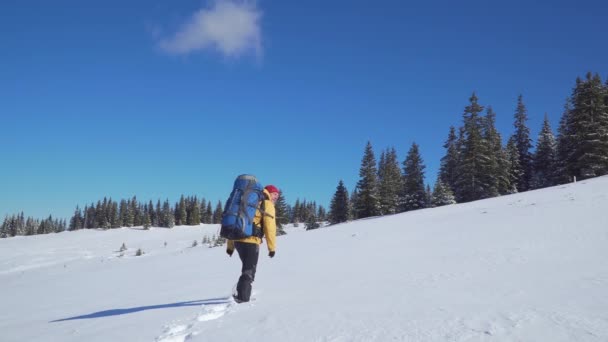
[
  {"x": 194, "y": 243},
  {"x": 123, "y": 247},
  {"x": 139, "y": 252}
]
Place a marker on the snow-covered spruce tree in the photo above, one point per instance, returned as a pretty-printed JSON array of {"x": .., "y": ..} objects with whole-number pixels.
[
  {"x": 168, "y": 217},
  {"x": 523, "y": 142},
  {"x": 76, "y": 222},
  {"x": 115, "y": 221},
  {"x": 564, "y": 147},
  {"x": 311, "y": 222},
  {"x": 158, "y": 217},
  {"x": 123, "y": 213},
  {"x": 131, "y": 213},
  {"x": 414, "y": 193},
  {"x": 281, "y": 212},
  {"x": 219, "y": 241},
  {"x": 182, "y": 212},
  {"x": 442, "y": 195},
  {"x": 544, "y": 158},
  {"x": 4, "y": 229},
  {"x": 339, "y": 209},
  {"x": 588, "y": 126},
  {"x": 152, "y": 213},
  {"x": 472, "y": 180},
  {"x": 368, "y": 203},
  {"x": 31, "y": 225},
  {"x": 449, "y": 162},
  {"x": 147, "y": 221},
  {"x": 193, "y": 212},
  {"x": 495, "y": 172},
  {"x": 514, "y": 167},
  {"x": 352, "y": 204},
  {"x": 390, "y": 182},
  {"x": 296, "y": 212},
  {"x": 321, "y": 214}
]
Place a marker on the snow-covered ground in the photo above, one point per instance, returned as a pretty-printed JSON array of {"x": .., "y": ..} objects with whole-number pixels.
[{"x": 525, "y": 267}]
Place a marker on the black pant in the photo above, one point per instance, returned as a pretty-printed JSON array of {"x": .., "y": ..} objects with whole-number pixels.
[{"x": 249, "y": 253}]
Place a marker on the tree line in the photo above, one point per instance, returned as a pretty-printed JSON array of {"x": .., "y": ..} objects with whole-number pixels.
[
  {"x": 477, "y": 165},
  {"x": 110, "y": 214},
  {"x": 14, "y": 225}
]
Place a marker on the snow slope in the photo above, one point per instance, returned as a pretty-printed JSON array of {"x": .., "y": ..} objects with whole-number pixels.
[{"x": 525, "y": 267}]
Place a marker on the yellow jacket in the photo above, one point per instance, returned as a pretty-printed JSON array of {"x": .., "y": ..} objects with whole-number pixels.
[{"x": 270, "y": 226}]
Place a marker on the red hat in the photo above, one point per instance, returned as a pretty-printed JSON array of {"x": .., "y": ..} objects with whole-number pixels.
[{"x": 272, "y": 188}]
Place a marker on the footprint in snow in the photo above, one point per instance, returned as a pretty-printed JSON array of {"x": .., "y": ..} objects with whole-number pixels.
[{"x": 183, "y": 332}]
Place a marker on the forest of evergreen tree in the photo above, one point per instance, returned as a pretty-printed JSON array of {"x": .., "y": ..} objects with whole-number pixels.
[{"x": 476, "y": 165}]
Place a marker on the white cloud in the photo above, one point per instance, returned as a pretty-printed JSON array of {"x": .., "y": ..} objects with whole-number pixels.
[{"x": 230, "y": 26}]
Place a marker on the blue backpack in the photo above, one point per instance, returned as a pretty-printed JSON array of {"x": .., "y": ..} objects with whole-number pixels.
[{"x": 244, "y": 200}]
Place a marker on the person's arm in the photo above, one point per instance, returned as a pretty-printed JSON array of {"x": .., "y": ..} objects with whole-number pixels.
[
  {"x": 230, "y": 247},
  {"x": 270, "y": 225}
]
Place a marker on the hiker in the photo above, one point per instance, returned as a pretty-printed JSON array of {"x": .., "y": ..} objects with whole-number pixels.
[{"x": 249, "y": 248}]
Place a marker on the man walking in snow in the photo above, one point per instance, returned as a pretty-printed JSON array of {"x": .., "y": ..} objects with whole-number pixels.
[{"x": 249, "y": 248}]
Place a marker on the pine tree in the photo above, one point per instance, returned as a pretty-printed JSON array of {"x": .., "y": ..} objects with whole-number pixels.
[
  {"x": 311, "y": 222},
  {"x": 99, "y": 216},
  {"x": 196, "y": 213},
  {"x": 523, "y": 144},
  {"x": 4, "y": 228},
  {"x": 115, "y": 216},
  {"x": 390, "y": 182},
  {"x": 76, "y": 221},
  {"x": 209, "y": 213},
  {"x": 339, "y": 210},
  {"x": 449, "y": 163},
  {"x": 442, "y": 195},
  {"x": 217, "y": 214},
  {"x": 414, "y": 193},
  {"x": 588, "y": 125},
  {"x": 472, "y": 182},
  {"x": 131, "y": 212},
  {"x": 182, "y": 216},
  {"x": 124, "y": 213},
  {"x": 158, "y": 216},
  {"x": 565, "y": 146},
  {"x": 494, "y": 171},
  {"x": 89, "y": 217},
  {"x": 515, "y": 170},
  {"x": 353, "y": 202},
  {"x": 147, "y": 222},
  {"x": 203, "y": 210},
  {"x": 152, "y": 213},
  {"x": 281, "y": 214},
  {"x": 31, "y": 226},
  {"x": 296, "y": 212},
  {"x": 321, "y": 214},
  {"x": 367, "y": 201},
  {"x": 167, "y": 216},
  {"x": 544, "y": 158}
]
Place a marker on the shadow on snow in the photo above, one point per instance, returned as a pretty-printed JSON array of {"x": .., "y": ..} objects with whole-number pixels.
[{"x": 117, "y": 312}]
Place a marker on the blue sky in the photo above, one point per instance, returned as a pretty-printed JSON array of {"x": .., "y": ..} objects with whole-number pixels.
[{"x": 162, "y": 98}]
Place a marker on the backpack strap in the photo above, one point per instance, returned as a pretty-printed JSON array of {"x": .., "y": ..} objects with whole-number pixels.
[
  {"x": 260, "y": 230},
  {"x": 262, "y": 209}
]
